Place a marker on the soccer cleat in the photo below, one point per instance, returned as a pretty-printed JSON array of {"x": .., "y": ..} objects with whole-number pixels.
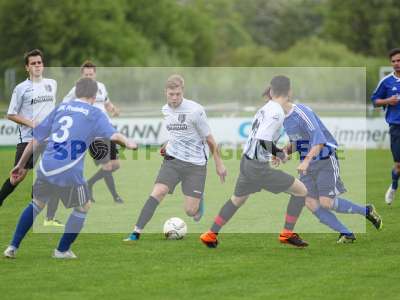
[
  {"x": 373, "y": 217},
  {"x": 64, "y": 255},
  {"x": 10, "y": 252},
  {"x": 346, "y": 238},
  {"x": 209, "y": 239},
  {"x": 293, "y": 239},
  {"x": 389, "y": 196},
  {"x": 53, "y": 222},
  {"x": 133, "y": 237},
  {"x": 197, "y": 217},
  {"x": 118, "y": 200}
]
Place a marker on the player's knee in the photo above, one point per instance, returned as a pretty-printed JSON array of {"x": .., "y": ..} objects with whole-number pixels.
[
  {"x": 397, "y": 167},
  {"x": 326, "y": 202},
  {"x": 159, "y": 191},
  {"x": 238, "y": 201},
  {"x": 85, "y": 208},
  {"x": 191, "y": 211},
  {"x": 298, "y": 189},
  {"x": 311, "y": 204},
  {"x": 39, "y": 203},
  {"x": 115, "y": 165}
]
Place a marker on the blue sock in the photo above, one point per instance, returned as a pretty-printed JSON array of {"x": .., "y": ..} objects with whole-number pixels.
[
  {"x": 25, "y": 223},
  {"x": 395, "y": 179},
  {"x": 328, "y": 218},
  {"x": 345, "y": 206},
  {"x": 72, "y": 228}
]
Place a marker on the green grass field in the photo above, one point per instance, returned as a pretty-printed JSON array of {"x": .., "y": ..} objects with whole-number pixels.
[{"x": 245, "y": 266}]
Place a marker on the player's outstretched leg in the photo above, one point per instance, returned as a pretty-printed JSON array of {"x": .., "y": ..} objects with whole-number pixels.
[
  {"x": 110, "y": 182},
  {"x": 6, "y": 190},
  {"x": 145, "y": 216},
  {"x": 293, "y": 211},
  {"x": 73, "y": 227},
  {"x": 391, "y": 192},
  {"x": 209, "y": 238},
  {"x": 24, "y": 224},
  {"x": 51, "y": 220}
]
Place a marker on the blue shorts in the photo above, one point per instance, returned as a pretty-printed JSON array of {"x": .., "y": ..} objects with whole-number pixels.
[
  {"x": 323, "y": 179},
  {"x": 395, "y": 141},
  {"x": 71, "y": 196}
]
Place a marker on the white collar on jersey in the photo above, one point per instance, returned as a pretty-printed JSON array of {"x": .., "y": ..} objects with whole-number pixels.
[{"x": 394, "y": 75}]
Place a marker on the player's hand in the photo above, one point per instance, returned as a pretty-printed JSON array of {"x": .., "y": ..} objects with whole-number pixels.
[
  {"x": 392, "y": 100},
  {"x": 221, "y": 171},
  {"x": 131, "y": 145},
  {"x": 17, "y": 174},
  {"x": 163, "y": 149},
  {"x": 276, "y": 161},
  {"x": 302, "y": 168},
  {"x": 115, "y": 111}
]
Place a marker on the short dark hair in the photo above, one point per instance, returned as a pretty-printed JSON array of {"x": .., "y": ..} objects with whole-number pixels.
[
  {"x": 34, "y": 52},
  {"x": 88, "y": 64},
  {"x": 86, "y": 88},
  {"x": 280, "y": 85},
  {"x": 393, "y": 52}
]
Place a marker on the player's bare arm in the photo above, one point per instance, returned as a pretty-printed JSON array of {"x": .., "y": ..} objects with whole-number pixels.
[
  {"x": 121, "y": 140},
  {"x": 221, "y": 170},
  {"x": 21, "y": 120},
  {"x": 393, "y": 100}
]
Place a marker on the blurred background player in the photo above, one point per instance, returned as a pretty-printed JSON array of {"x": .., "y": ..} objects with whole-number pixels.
[
  {"x": 110, "y": 162},
  {"x": 256, "y": 173},
  {"x": 186, "y": 155},
  {"x": 32, "y": 100},
  {"x": 387, "y": 95},
  {"x": 319, "y": 167},
  {"x": 68, "y": 129}
]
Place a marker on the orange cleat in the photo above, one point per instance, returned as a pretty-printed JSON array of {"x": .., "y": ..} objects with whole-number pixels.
[
  {"x": 209, "y": 239},
  {"x": 293, "y": 239}
]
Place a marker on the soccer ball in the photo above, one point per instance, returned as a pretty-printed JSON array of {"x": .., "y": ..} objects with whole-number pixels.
[{"x": 175, "y": 229}]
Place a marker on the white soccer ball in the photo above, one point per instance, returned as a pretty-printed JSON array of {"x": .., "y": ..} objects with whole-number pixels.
[{"x": 175, "y": 229}]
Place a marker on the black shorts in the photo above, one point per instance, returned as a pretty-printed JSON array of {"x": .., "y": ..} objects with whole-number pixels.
[
  {"x": 255, "y": 176},
  {"x": 103, "y": 150},
  {"x": 395, "y": 141},
  {"x": 71, "y": 196},
  {"x": 34, "y": 157},
  {"x": 192, "y": 177}
]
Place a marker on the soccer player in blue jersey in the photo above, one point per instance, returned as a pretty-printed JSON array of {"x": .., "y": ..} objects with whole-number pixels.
[
  {"x": 69, "y": 129},
  {"x": 387, "y": 95},
  {"x": 319, "y": 167}
]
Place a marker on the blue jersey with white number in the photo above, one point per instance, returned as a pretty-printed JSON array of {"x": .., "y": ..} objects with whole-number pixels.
[
  {"x": 306, "y": 130},
  {"x": 389, "y": 86},
  {"x": 69, "y": 130}
]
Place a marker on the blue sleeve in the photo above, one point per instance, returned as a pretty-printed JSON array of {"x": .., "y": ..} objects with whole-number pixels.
[
  {"x": 380, "y": 92},
  {"x": 42, "y": 131},
  {"x": 103, "y": 126},
  {"x": 311, "y": 125}
]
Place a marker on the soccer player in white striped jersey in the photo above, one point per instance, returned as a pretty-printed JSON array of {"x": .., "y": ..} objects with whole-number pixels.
[
  {"x": 109, "y": 163},
  {"x": 186, "y": 156},
  {"x": 32, "y": 100}
]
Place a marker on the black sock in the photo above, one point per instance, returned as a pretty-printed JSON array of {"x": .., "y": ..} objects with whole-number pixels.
[
  {"x": 109, "y": 179},
  {"x": 97, "y": 176},
  {"x": 6, "y": 190},
  {"x": 293, "y": 210},
  {"x": 52, "y": 208},
  {"x": 147, "y": 212},
  {"x": 226, "y": 212}
]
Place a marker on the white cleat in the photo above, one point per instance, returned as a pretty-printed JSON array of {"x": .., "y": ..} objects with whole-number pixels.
[
  {"x": 10, "y": 252},
  {"x": 64, "y": 255},
  {"x": 389, "y": 196}
]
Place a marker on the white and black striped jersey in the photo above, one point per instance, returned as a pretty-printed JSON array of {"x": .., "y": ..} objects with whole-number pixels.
[
  {"x": 267, "y": 126},
  {"x": 33, "y": 101}
]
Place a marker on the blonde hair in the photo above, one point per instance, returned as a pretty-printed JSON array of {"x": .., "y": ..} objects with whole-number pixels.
[{"x": 175, "y": 81}]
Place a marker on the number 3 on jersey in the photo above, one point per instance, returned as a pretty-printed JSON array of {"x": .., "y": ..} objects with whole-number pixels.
[{"x": 66, "y": 123}]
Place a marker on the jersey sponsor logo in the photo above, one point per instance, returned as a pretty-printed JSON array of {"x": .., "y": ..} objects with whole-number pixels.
[
  {"x": 173, "y": 127},
  {"x": 42, "y": 99}
]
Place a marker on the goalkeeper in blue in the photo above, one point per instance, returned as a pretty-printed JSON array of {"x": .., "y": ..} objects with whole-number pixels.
[
  {"x": 69, "y": 129},
  {"x": 319, "y": 167}
]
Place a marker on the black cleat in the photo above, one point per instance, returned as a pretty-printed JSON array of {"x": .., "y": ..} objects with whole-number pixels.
[
  {"x": 346, "y": 238},
  {"x": 373, "y": 217},
  {"x": 292, "y": 239},
  {"x": 118, "y": 200}
]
